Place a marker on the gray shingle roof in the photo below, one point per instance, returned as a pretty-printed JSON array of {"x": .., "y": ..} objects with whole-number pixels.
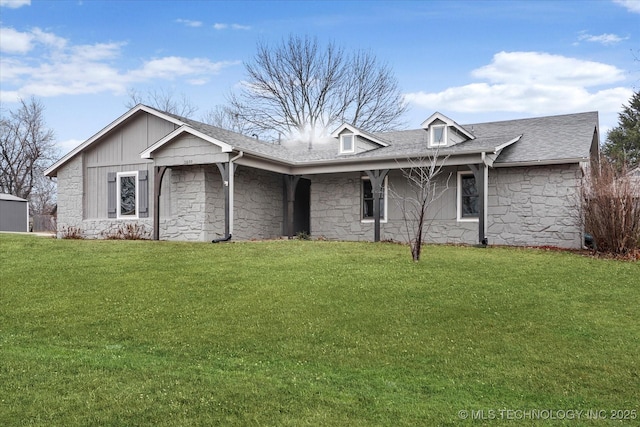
[
  {"x": 549, "y": 138},
  {"x": 544, "y": 139}
]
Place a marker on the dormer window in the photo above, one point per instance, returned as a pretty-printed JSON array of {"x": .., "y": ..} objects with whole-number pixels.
[
  {"x": 437, "y": 135},
  {"x": 347, "y": 144}
]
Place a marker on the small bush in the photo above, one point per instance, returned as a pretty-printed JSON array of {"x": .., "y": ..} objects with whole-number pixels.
[
  {"x": 611, "y": 209},
  {"x": 127, "y": 232},
  {"x": 303, "y": 235},
  {"x": 71, "y": 232}
]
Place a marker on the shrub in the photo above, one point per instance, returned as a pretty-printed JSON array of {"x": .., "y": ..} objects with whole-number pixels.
[
  {"x": 303, "y": 235},
  {"x": 127, "y": 232},
  {"x": 71, "y": 232},
  {"x": 611, "y": 209}
]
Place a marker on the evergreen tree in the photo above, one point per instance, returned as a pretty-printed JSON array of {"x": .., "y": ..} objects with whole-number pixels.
[{"x": 622, "y": 146}]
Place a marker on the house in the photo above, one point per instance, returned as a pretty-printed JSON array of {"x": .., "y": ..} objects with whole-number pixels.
[
  {"x": 510, "y": 182},
  {"x": 14, "y": 213}
]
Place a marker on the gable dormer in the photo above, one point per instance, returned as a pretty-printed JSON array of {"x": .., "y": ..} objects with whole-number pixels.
[
  {"x": 444, "y": 132},
  {"x": 353, "y": 140}
]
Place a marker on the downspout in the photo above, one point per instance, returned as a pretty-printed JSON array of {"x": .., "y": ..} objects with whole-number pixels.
[
  {"x": 485, "y": 182},
  {"x": 231, "y": 173}
]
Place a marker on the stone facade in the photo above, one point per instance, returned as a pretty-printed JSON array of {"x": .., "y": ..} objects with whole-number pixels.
[
  {"x": 336, "y": 203},
  {"x": 189, "y": 205},
  {"x": 70, "y": 204},
  {"x": 258, "y": 204},
  {"x": 535, "y": 206},
  {"x": 526, "y": 206}
]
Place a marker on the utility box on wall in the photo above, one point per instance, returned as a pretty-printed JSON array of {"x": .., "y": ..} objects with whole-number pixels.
[{"x": 14, "y": 213}]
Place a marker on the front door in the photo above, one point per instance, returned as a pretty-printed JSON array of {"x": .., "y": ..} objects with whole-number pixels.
[{"x": 302, "y": 207}]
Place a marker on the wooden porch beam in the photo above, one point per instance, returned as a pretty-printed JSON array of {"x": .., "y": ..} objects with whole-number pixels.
[
  {"x": 157, "y": 185},
  {"x": 479, "y": 174},
  {"x": 376, "y": 177}
]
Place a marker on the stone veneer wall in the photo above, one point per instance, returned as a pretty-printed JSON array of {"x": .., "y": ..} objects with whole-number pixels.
[
  {"x": 195, "y": 196},
  {"x": 197, "y": 204},
  {"x": 336, "y": 204},
  {"x": 189, "y": 207},
  {"x": 335, "y": 208},
  {"x": 527, "y": 206},
  {"x": 70, "y": 206},
  {"x": 258, "y": 204},
  {"x": 535, "y": 206}
]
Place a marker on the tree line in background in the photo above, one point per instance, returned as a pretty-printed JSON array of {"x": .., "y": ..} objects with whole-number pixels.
[{"x": 27, "y": 148}]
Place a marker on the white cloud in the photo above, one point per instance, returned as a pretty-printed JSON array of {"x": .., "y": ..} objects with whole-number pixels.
[
  {"x": 14, "y": 4},
  {"x": 54, "y": 66},
  {"x": 631, "y": 5},
  {"x": 531, "y": 83},
  {"x": 173, "y": 66},
  {"x": 221, "y": 26},
  {"x": 48, "y": 39},
  {"x": 544, "y": 68},
  {"x": 189, "y": 23},
  {"x": 12, "y": 41},
  {"x": 605, "y": 39}
]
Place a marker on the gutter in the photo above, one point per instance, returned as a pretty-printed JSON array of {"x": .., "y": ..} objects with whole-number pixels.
[{"x": 541, "y": 162}]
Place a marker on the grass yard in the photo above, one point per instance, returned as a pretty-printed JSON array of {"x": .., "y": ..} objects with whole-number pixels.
[{"x": 132, "y": 333}]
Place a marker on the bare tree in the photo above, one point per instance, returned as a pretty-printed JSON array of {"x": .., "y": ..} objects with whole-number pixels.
[
  {"x": 163, "y": 100},
  {"x": 302, "y": 91},
  {"x": 224, "y": 117},
  {"x": 27, "y": 148},
  {"x": 424, "y": 186}
]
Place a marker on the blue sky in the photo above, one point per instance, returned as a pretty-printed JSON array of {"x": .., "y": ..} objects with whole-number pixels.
[{"x": 471, "y": 60}]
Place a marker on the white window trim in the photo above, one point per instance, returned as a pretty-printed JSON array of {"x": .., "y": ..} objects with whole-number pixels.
[
  {"x": 445, "y": 135},
  {"x": 118, "y": 198},
  {"x": 459, "y": 217},
  {"x": 383, "y": 220},
  {"x": 353, "y": 143}
]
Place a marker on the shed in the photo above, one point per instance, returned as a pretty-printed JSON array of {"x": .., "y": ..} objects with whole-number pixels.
[{"x": 14, "y": 213}]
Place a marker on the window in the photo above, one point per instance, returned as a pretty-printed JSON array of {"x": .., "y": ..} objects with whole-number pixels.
[
  {"x": 346, "y": 143},
  {"x": 127, "y": 194},
  {"x": 438, "y": 135},
  {"x": 468, "y": 198},
  {"x": 367, "y": 201}
]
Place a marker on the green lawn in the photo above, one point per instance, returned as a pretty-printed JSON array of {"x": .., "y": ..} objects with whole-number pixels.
[{"x": 131, "y": 333}]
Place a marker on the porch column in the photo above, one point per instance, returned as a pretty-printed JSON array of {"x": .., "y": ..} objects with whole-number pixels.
[
  {"x": 227, "y": 171},
  {"x": 480, "y": 172},
  {"x": 290, "y": 183},
  {"x": 376, "y": 177},
  {"x": 157, "y": 185}
]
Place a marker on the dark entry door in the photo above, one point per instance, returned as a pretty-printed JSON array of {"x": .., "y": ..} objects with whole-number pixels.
[{"x": 302, "y": 207}]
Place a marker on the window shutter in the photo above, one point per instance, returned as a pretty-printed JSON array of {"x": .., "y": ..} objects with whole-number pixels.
[
  {"x": 111, "y": 195},
  {"x": 143, "y": 192}
]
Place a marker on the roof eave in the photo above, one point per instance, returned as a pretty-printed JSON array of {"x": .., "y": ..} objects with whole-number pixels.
[
  {"x": 147, "y": 154},
  {"x": 541, "y": 162},
  {"x": 53, "y": 169}
]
